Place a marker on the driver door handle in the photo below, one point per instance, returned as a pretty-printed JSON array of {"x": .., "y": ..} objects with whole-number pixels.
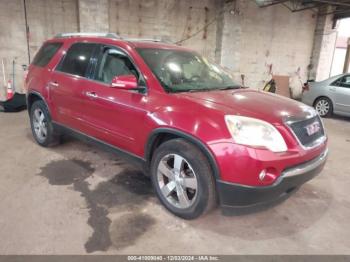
[{"x": 91, "y": 94}]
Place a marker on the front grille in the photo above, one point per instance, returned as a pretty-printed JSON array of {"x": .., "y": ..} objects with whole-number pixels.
[{"x": 300, "y": 130}]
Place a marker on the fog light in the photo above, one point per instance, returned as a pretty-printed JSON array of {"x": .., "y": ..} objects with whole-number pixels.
[
  {"x": 268, "y": 176},
  {"x": 262, "y": 175}
]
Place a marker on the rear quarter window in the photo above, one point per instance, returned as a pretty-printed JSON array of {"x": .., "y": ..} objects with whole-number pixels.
[{"x": 45, "y": 54}]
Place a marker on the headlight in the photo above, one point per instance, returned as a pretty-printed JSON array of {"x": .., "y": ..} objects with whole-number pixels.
[{"x": 254, "y": 132}]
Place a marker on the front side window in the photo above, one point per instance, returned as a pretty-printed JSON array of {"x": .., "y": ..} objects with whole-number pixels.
[
  {"x": 77, "y": 59},
  {"x": 114, "y": 63},
  {"x": 45, "y": 54},
  {"x": 183, "y": 71}
]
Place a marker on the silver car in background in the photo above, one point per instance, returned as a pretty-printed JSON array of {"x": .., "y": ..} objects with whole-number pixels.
[{"x": 329, "y": 96}]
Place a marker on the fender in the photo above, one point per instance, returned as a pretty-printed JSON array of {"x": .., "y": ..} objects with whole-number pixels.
[
  {"x": 41, "y": 97},
  {"x": 190, "y": 138}
]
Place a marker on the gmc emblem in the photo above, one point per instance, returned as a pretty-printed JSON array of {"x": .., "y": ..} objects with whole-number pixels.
[{"x": 313, "y": 128}]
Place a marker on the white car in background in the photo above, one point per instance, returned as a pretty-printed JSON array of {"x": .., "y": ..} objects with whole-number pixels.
[{"x": 329, "y": 96}]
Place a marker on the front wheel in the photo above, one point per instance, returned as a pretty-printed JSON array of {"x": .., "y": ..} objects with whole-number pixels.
[{"x": 182, "y": 178}]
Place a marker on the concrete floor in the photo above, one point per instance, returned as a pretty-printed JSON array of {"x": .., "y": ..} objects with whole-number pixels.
[{"x": 76, "y": 199}]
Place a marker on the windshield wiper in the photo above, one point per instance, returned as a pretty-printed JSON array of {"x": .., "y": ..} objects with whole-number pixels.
[
  {"x": 230, "y": 87},
  {"x": 200, "y": 89},
  {"x": 193, "y": 90},
  {"x": 210, "y": 89}
]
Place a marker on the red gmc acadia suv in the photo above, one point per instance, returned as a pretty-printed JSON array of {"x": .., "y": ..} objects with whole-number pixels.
[{"x": 201, "y": 137}]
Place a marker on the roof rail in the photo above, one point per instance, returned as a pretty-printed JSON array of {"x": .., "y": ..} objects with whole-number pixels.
[
  {"x": 148, "y": 40},
  {"x": 108, "y": 35}
]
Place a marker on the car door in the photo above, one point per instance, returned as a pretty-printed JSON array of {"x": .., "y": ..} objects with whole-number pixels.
[
  {"x": 66, "y": 85},
  {"x": 114, "y": 115},
  {"x": 342, "y": 95}
]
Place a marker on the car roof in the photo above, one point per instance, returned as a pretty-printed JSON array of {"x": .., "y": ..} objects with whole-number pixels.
[
  {"x": 113, "y": 39},
  {"x": 155, "y": 44},
  {"x": 333, "y": 78}
]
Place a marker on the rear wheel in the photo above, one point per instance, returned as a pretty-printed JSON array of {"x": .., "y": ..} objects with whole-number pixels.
[
  {"x": 41, "y": 125},
  {"x": 182, "y": 178},
  {"x": 324, "y": 106}
]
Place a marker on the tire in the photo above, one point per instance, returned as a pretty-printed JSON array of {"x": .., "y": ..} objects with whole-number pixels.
[
  {"x": 40, "y": 121},
  {"x": 195, "y": 183},
  {"x": 324, "y": 106}
]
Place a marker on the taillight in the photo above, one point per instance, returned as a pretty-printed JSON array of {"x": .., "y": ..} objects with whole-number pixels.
[{"x": 306, "y": 87}]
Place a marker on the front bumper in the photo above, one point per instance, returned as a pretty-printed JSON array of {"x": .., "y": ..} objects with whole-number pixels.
[{"x": 231, "y": 194}]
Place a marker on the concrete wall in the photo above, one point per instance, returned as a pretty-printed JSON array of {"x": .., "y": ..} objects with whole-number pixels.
[
  {"x": 12, "y": 40},
  {"x": 93, "y": 15},
  {"x": 255, "y": 39},
  {"x": 172, "y": 20},
  {"x": 324, "y": 46},
  {"x": 45, "y": 19},
  {"x": 242, "y": 37}
]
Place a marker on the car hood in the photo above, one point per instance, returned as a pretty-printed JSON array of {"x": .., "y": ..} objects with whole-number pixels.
[{"x": 269, "y": 107}]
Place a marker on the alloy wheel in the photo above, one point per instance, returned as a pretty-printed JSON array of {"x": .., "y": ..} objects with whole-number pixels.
[
  {"x": 177, "y": 181},
  {"x": 322, "y": 107},
  {"x": 39, "y": 124}
]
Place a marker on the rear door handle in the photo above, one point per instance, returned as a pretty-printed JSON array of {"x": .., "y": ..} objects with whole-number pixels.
[
  {"x": 91, "y": 94},
  {"x": 53, "y": 84},
  {"x": 332, "y": 89}
]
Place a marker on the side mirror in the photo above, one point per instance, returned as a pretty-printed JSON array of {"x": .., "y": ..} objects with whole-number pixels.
[{"x": 126, "y": 82}]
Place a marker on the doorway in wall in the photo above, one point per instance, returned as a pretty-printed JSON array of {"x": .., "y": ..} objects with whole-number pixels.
[{"x": 341, "y": 57}]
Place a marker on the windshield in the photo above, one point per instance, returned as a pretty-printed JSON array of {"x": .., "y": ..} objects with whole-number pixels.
[{"x": 182, "y": 71}]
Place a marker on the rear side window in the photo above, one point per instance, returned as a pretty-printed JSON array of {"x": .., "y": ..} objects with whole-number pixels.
[
  {"x": 77, "y": 59},
  {"x": 45, "y": 54},
  {"x": 345, "y": 82}
]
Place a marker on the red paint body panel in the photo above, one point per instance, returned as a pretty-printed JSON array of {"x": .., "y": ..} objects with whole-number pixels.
[{"x": 126, "y": 118}]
